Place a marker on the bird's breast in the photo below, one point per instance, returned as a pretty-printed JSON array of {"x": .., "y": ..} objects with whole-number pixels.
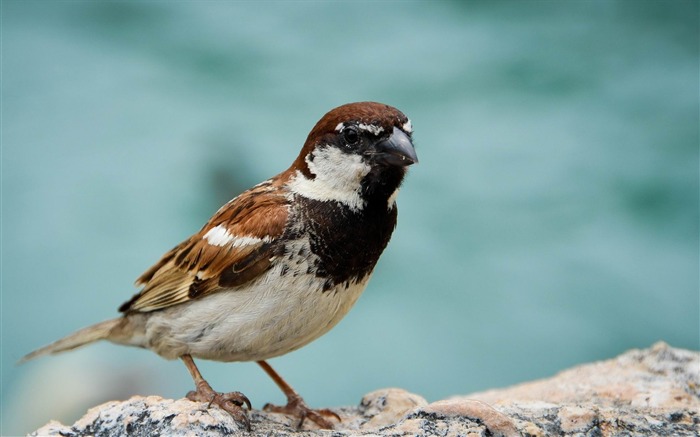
[{"x": 283, "y": 310}]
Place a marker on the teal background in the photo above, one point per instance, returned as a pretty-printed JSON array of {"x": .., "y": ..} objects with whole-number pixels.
[{"x": 552, "y": 220}]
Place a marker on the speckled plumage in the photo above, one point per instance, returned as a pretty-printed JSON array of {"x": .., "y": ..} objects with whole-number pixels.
[{"x": 281, "y": 264}]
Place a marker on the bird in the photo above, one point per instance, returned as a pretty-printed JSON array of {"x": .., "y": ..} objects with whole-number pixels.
[{"x": 277, "y": 266}]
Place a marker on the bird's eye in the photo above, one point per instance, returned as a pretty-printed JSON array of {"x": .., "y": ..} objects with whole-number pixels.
[{"x": 351, "y": 136}]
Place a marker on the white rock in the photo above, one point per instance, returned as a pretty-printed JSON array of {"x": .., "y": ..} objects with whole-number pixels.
[{"x": 652, "y": 392}]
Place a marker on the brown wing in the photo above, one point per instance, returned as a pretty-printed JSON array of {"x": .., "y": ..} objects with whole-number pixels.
[{"x": 236, "y": 246}]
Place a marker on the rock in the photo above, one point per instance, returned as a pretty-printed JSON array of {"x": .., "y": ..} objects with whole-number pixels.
[
  {"x": 654, "y": 391},
  {"x": 497, "y": 423},
  {"x": 642, "y": 392}
]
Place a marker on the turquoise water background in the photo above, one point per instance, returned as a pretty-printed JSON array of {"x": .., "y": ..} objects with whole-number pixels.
[{"x": 552, "y": 220}]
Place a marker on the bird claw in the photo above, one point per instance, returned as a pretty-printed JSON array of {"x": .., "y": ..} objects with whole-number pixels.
[
  {"x": 232, "y": 402},
  {"x": 296, "y": 407}
]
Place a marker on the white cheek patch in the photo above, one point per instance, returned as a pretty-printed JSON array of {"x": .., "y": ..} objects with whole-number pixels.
[
  {"x": 337, "y": 177},
  {"x": 391, "y": 203},
  {"x": 220, "y": 236}
]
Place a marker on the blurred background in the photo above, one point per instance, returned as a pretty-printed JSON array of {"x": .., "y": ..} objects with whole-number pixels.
[{"x": 552, "y": 220}]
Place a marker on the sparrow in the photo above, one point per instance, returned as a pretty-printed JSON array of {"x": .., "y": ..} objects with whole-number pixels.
[{"x": 276, "y": 267}]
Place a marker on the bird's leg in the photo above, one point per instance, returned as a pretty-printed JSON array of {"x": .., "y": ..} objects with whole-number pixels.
[
  {"x": 232, "y": 402},
  {"x": 296, "y": 406}
]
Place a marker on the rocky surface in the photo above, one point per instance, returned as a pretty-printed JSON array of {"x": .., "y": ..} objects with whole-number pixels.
[{"x": 654, "y": 391}]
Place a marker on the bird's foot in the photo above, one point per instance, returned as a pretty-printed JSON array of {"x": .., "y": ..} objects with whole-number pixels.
[
  {"x": 296, "y": 407},
  {"x": 232, "y": 402}
]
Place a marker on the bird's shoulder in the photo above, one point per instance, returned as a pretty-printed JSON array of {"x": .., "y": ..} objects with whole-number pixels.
[{"x": 237, "y": 245}]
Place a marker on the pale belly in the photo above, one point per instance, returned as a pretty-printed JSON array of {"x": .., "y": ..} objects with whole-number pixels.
[{"x": 258, "y": 322}]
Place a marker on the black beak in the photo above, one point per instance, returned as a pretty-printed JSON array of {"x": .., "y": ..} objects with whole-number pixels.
[{"x": 396, "y": 150}]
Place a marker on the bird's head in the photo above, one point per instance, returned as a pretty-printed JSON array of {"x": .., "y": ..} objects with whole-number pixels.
[{"x": 356, "y": 154}]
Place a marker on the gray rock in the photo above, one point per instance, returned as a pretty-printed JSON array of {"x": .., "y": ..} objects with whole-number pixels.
[{"x": 642, "y": 392}]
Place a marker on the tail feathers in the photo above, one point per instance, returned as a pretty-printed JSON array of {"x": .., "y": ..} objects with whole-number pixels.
[{"x": 99, "y": 331}]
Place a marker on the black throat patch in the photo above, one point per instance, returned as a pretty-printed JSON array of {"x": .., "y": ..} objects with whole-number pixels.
[{"x": 347, "y": 243}]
